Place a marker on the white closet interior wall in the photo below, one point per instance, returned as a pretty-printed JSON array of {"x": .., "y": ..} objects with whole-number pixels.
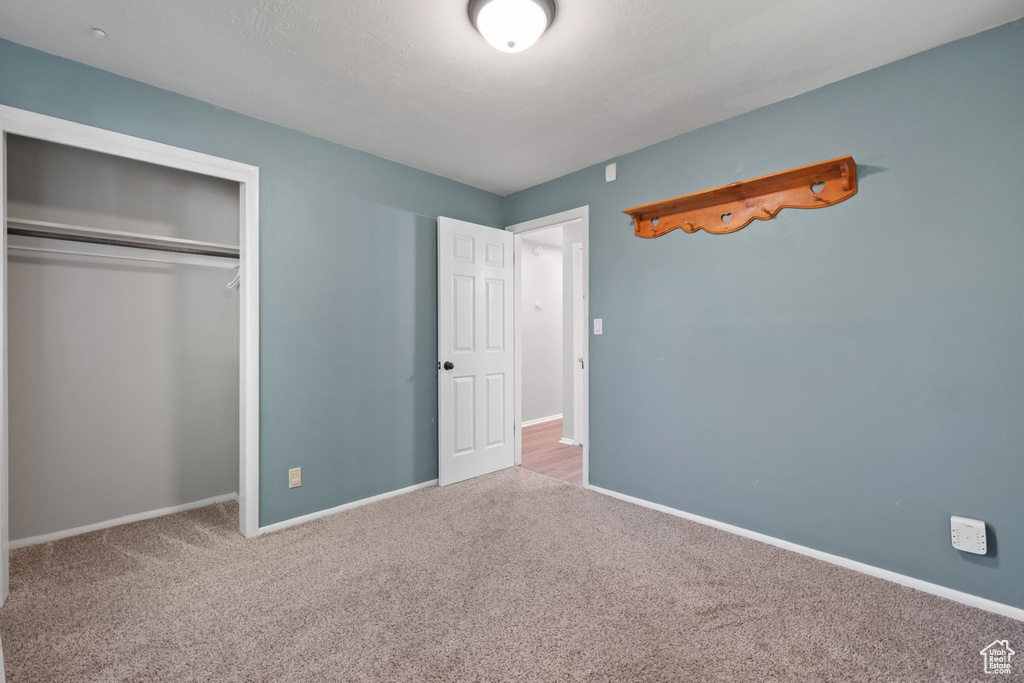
[{"x": 123, "y": 375}]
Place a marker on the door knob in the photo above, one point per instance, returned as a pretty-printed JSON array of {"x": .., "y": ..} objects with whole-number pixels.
[{"x": 448, "y": 365}]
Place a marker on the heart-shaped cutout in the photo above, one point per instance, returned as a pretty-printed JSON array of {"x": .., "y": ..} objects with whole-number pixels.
[
  {"x": 726, "y": 217},
  {"x": 816, "y": 188},
  {"x": 655, "y": 221}
]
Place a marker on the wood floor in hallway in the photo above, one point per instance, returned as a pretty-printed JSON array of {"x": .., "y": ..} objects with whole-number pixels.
[{"x": 543, "y": 454}]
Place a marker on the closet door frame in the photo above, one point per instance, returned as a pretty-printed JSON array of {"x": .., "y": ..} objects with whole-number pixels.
[{"x": 32, "y": 125}]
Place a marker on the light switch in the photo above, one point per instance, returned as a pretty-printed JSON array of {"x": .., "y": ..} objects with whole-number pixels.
[
  {"x": 611, "y": 172},
  {"x": 598, "y": 325}
]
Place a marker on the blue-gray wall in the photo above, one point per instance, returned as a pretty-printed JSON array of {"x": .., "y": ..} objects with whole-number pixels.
[
  {"x": 348, "y": 281},
  {"x": 845, "y": 378}
]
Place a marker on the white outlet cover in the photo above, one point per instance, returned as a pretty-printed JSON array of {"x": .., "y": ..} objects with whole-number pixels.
[{"x": 968, "y": 535}]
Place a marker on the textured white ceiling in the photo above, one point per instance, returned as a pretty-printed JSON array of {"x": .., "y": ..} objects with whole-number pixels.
[{"x": 411, "y": 80}]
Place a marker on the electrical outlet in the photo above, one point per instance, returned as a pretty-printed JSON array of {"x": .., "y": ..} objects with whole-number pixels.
[{"x": 294, "y": 477}]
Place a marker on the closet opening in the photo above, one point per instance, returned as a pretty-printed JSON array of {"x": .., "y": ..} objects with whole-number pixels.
[
  {"x": 130, "y": 333},
  {"x": 122, "y": 342}
]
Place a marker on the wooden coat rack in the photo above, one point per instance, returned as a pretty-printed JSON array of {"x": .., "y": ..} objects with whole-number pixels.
[{"x": 732, "y": 207}]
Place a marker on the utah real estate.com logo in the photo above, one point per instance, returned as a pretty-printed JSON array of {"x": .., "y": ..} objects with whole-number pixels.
[{"x": 997, "y": 657}]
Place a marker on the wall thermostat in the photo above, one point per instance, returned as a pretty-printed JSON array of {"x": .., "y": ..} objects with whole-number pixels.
[{"x": 968, "y": 535}]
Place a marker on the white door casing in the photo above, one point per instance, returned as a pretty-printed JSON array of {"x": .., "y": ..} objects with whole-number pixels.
[
  {"x": 579, "y": 336},
  {"x": 475, "y": 389},
  {"x": 581, "y": 217}
]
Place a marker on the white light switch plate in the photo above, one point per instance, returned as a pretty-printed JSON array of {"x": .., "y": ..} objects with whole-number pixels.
[
  {"x": 598, "y": 325},
  {"x": 611, "y": 172},
  {"x": 968, "y": 535}
]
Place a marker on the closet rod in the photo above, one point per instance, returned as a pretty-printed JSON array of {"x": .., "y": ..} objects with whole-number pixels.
[
  {"x": 216, "y": 264},
  {"x": 134, "y": 237},
  {"x": 89, "y": 239}
]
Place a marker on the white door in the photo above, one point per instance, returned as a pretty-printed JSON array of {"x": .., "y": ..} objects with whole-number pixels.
[{"x": 475, "y": 355}]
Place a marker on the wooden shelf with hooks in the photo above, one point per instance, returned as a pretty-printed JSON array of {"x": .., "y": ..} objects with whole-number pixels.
[{"x": 733, "y": 207}]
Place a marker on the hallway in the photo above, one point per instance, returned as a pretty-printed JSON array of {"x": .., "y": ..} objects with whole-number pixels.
[{"x": 543, "y": 454}]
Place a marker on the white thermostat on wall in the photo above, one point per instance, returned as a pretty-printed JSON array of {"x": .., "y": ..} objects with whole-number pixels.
[{"x": 968, "y": 535}]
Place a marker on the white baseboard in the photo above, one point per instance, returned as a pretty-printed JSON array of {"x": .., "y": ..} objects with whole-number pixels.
[
  {"x": 347, "y": 506},
  {"x": 541, "y": 420},
  {"x": 137, "y": 517},
  {"x": 909, "y": 581},
  {"x": 567, "y": 442}
]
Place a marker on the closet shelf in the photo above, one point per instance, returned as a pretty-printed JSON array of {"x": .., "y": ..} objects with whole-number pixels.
[
  {"x": 118, "y": 238},
  {"x": 732, "y": 207}
]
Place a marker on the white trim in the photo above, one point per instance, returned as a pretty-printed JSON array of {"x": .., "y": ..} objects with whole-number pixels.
[
  {"x": 42, "y": 127},
  {"x": 908, "y": 581},
  {"x": 542, "y": 420},
  {"x": 567, "y": 441},
  {"x": 579, "y": 337},
  {"x": 571, "y": 217},
  {"x": 4, "y": 470},
  {"x": 33, "y": 125},
  {"x": 347, "y": 506},
  {"x": 137, "y": 517},
  {"x": 249, "y": 357}
]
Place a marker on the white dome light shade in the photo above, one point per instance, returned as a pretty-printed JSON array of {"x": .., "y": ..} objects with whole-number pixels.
[{"x": 512, "y": 25}]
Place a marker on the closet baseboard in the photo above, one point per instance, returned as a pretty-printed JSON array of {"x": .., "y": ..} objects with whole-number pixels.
[{"x": 137, "y": 517}]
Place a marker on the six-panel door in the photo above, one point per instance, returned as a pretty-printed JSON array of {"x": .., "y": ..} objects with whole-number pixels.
[{"x": 474, "y": 339}]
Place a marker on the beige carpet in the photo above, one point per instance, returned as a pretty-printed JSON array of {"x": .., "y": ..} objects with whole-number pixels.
[{"x": 508, "y": 577}]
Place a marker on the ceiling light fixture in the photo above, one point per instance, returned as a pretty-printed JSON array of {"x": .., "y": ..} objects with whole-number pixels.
[{"x": 511, "y": 25}]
